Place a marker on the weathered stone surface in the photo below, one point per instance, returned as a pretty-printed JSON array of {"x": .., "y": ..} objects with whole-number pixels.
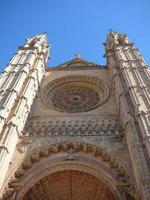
[{"x": 85, "y": 135}]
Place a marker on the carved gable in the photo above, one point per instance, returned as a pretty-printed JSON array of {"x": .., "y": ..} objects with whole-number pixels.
[{"x": 78, "y": 64}]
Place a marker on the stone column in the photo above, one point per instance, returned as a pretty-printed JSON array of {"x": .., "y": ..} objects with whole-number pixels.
[
  {"x": 131, "y": 84},
  {"x": 18, "y": 86}
]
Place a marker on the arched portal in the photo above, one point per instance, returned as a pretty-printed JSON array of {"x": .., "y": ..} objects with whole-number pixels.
[
  {"x": 69, "y": 185},
  {"x": 57, "y": 170}
]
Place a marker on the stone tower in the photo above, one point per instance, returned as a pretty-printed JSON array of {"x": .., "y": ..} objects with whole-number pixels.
[{"x": 76, "y": 131}]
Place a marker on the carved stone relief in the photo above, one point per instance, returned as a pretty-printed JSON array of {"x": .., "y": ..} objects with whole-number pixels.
[
  {"x": 75, "y": 94},
  {"x": 108, "y": 129}
]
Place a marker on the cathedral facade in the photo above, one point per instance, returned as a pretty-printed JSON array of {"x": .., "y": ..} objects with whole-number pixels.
[{"x": 77, "y": 131}]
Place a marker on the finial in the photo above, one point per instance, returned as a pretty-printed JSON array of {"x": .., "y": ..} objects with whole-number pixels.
[{"x": 77, "y": 56}]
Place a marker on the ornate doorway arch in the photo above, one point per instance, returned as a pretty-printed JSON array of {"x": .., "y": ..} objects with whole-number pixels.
[{"x": 75, "y": 158}]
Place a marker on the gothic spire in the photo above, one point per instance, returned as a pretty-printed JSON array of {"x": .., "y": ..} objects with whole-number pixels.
[
  {"x": 40, "y": 43},
  {"x": 115, "y": 38}
]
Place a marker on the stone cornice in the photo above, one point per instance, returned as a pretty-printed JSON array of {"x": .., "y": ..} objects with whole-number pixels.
[{"x": 76, "y": 64}]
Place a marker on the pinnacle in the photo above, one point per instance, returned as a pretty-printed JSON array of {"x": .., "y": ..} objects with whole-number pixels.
[
  {"x": 38, "y": 37},
  {"x": 77, "y": 56},
  {"x": 112, "y": 32}
]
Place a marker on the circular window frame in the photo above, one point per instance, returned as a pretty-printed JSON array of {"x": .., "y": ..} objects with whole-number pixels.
[{"x": 96, "y": 84}]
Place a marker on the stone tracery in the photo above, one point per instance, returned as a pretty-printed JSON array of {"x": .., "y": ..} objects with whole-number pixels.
[
  {"x": 75, "y": 94},
  {"x": 106, "y": 128},
  {"x": 75, "y": 99}
]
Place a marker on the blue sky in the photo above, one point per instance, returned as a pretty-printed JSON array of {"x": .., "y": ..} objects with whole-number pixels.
[{"x": 73, "y": 26}]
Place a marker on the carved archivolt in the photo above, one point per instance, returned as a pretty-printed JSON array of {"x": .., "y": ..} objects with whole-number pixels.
[
  {"x": 75, "y": 94},
  {"x": 15, "y": 184}
]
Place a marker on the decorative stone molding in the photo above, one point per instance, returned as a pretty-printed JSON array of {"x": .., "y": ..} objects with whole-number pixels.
[
  {"x": 76, "y": 64},
  {"x": 75, "y": 94},
  {"x": 71, "y": 148},
  {"x": 23, "y": 145},
  {"x": 108, "y": 129}
]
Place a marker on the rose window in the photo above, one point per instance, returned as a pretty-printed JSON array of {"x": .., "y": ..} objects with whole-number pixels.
[{"x": 75, "y": 94}]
